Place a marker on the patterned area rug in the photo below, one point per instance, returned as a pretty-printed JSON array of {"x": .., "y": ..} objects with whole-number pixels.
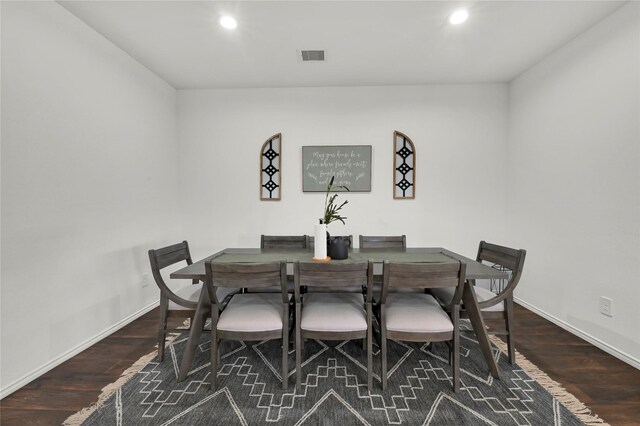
[{"x": 334, "y": 391}]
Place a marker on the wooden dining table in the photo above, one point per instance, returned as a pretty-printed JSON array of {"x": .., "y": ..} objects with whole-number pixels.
[{"x": 474, "y": 270}]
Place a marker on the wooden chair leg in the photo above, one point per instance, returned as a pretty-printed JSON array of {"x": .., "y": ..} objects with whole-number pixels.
[
  {"x": 161, "y": 341},
  {"x": 285, "y": 348},
  {"x": 456, "y": 349},
  {"x": 509, "y": 327},
  {"x": 292, "y": 329},
  {"x": 369, "y": 360},
  {"x": 377, "y": 335},
  {"x": 215, "y": 356},
  {"x": 299, "y": 344},
  {"x": 383, "y": 348},
  {"x": 364, "y": 339},
  {"x": 369, "y": 346},
  {"x": 162, "y": 329}
]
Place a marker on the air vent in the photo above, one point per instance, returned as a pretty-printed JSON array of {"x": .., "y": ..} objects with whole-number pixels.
[{"x": 312, "y": 55}]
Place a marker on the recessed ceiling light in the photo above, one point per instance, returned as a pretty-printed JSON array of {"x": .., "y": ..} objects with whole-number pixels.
[
  {"x": 228, "y": 22},
  {"x": 458, "y": 17}
]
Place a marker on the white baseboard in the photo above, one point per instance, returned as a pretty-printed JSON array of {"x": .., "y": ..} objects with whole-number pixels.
[
  {"x": 634, "y": 362},
  {"x": 17, "y": 384}
]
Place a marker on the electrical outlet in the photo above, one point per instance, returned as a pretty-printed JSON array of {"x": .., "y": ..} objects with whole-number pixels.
[
  {"x": 145, "y": 279},
  {"x": 606, "y": 306}
]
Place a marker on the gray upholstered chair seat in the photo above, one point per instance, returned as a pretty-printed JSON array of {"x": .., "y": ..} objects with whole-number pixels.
[
  {"x": 334, "y": 312},
  {"x": 252, "y": 312},
  {"x": 416, "y": 313},
  {"x": 482, "y": 294},
  {"x": 190, "y": 293}
]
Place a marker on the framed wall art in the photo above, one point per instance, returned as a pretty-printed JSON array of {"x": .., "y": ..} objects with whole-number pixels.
[
  {"x": 350, "y": 164},
  {"x": 271, "y": 169},
  {"x": 404, "y": 167}
]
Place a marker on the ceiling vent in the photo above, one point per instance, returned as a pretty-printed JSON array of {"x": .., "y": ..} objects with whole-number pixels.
[{"x": 312, "y": 55}]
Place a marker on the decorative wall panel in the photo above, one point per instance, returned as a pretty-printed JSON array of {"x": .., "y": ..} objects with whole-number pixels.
[
  {"x": 350, "y": 164},
  {"x": 404, "y": 167},
  {"x": 271, "y": 168}
]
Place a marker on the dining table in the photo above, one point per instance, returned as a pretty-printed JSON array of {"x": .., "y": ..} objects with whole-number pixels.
[{"x": 474, "y": 271}]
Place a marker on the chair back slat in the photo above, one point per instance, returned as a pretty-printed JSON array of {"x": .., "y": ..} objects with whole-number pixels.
[
  {"x": 500, "y": 255},
  {"x": 283, "y": 241},
  {"x": 245, "y": 275},
  {"x": 319, "y": 274},
  {"x": 172, "y": 254},
  {"x": 374, "y": 241},
  {"x": 333, "y": 276},
  {"x": 422, "y": 275},
  {"x": 415, "y": 282}
]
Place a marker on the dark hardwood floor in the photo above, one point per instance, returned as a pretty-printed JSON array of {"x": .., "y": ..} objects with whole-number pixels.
[{"x": 610, "y": 387}]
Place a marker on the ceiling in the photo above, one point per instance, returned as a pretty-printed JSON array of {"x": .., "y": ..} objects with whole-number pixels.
[{"x": 367, "y": 42}]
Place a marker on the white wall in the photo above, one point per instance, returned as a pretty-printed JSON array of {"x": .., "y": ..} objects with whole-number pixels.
[
  {"x": 574, "y": 183},
  {"x": 89, "y": 180},
  {"x": 460, "y": 138}
]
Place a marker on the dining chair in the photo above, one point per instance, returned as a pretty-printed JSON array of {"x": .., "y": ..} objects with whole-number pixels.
[
  {"x": 280, "y": 242},
  {"x": 180, "y": 303},
  {"x": 494, "y": 306},
  {"x": 283, "y": 241},
  {"x": 372, "y": 241},
  {"x": 382, "y": 242},
  {"x": 332, "y": 308},
  {"x": 248, "y": 316},
  {"x": 418, "y": 317}
]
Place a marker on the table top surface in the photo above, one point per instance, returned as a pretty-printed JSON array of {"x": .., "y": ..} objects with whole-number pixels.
[{"x": 475, "y": 270}]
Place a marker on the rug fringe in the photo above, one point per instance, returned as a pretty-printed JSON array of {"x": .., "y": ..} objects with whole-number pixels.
[
  {"x": 566, "y": 398},
  {"x": 82, "y": 415}
]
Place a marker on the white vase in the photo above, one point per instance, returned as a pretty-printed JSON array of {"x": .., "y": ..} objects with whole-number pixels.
[{"x": 320, "y": 243}]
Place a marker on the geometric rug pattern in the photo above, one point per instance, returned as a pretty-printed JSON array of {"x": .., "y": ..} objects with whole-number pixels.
[{"x": 334, "y": 389}]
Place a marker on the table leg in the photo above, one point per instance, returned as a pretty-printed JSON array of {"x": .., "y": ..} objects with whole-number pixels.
[
  {"x": 195, "y": 333},
  {"x": 471, "y": 306}
]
